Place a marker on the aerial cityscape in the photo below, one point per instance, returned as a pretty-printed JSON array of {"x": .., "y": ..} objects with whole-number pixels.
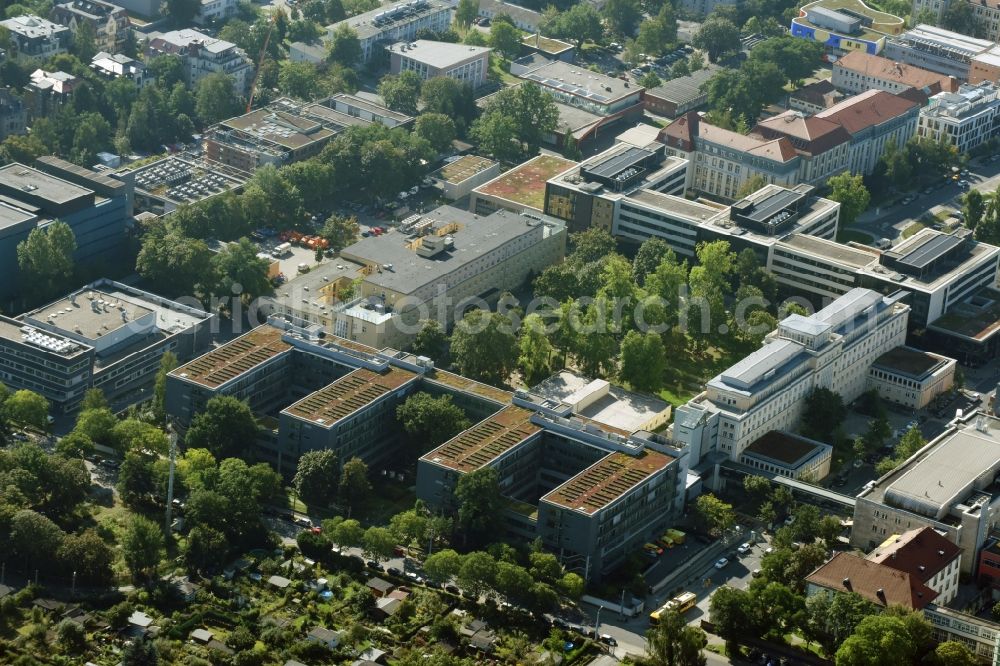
[{"x": 462, "y": 332}]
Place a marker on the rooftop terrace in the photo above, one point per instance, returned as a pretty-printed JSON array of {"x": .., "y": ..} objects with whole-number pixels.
[
  {"x": 607, "y": 480},
  {"x": 348, "y": 394},
  {"x": 464, "y": 168},
  {"x": 486, "y": 441},
  {"x": 786, "y": 448},
  {"x": 234, "y": 358}
]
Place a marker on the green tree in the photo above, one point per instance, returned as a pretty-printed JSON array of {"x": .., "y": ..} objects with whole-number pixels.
[
  {"x": 484, "y": 347},
  {"x": 167, "y": 363},
  {"x": 27, "y": 408},
  {"x": 401, "y": 91},
  {"x": 173, "y": 263},
  {"x": 140, "y": 652},
  {"x": 438, "y": 129},
  {"x": 496, "y": 135},
  {"x": 850, "y": 191},
  {"x": 182, "y": 11},
  {"x": 205, "y": 548},
  {"x": 477, "y": 574},
  {"x": 535, "y": 350},
  {"x": 959, "y": 17},
  {"x": 830, "y": 619},
  {"x": 973, "y": 208},
  {"x": 298, "y": 79},
  {"x": 505, "y": 39},
  {"x": 479, "y": 501},
  {"x": 673, "y": 643},
  {"x": 755, "y": 485},
  {"x": 239, "y": 271},
  {"x": 94, "y": 399},
  {"x": 354, "y": 487},
  {"x": 823, "y": 413},
  {"x": 97, "y": 425},
  {"x": 431, "y": 421},
  {"x": 622, "y": 16},
  {"x": 650, "y": 80},
  {"x": 142, "y": 546},
  {"x": 731, "y": 611},
  {"x": 75, "y": 445},
  {"x": 883, "y": 640},
  {"x": 716, "y": 514},
  {"x": 70, "y": 634},
  {"x": 45, "y": 258},
  {"x": 431, "y": 341},
  {"x": 643, "y": 361},
  {"x": 215, "y": 98},
  {"x": 316, "y": 477},
  {"x": 649, "y": 256},
  {"x": 751, "y": 185},
  {"x": 378, "y": 543},
  {"x": 348, "y": 533},
  {"x": 226, "y": 427},
  {"x": 443, "y": 565},
  {"x": 796, "y": 58},
  {"x": 953, "y": 653},
  {"x": 34, "y": 538},
  {"x": 581, "y": 23},
  {"x": 466, "y": 12},
  {"x": 717, "y": 37},
  {"x": 453, "y": 98}
]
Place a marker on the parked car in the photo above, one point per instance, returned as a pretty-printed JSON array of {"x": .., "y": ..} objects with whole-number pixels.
[
  {"x": 722, "y": 563},
  {"x": 744, "y": 548}
]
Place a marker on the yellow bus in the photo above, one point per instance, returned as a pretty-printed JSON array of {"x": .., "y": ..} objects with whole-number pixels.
[{"x": 682, "y": 603}]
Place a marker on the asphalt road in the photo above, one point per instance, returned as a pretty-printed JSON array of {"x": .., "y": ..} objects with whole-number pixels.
[{"x": 889, "y": 222}]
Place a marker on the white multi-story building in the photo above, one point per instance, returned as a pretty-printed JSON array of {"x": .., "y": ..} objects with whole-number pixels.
[
  {"x": 119, "y": 66},
  {"x": 965, "y": 119},
  {"x": 380, "y": 27},
  {"x": 203, "y": 55},
  {"x": 215, "y": 10},
  {"x": 35, "y": 38},
  {"x": 766, "y": 391},
  {"x": 428, "y": 59},
  {"x": 939, "y": 50}
]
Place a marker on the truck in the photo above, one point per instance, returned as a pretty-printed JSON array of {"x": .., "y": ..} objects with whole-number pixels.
[{"x": 282, "y": 250}]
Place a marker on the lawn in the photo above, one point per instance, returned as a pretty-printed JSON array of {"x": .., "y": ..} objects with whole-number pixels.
[{"x": 913, "y": 229}]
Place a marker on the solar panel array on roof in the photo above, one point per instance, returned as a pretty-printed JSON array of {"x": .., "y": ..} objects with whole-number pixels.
[
  {"x": 339, "y": 399},
  {"x": 567, "y": 87},
  {"x": 487, "y": 440},
  {"x": 616, "y": 164},
  {"x": 607, "y": 480},
  {"x": 930, "y": 251},
  {"x": 233, "y": 359},
  {"x": 774, "y": 204}
]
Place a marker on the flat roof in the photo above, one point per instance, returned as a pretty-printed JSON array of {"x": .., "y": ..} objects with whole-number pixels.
[
  {"x": 464, "y": 168},
  {"x": 924, "y": 249},
  {"x": 908, "y": 361},
  {"x": 279, "y": 126},
  {"x": 386, "y": 18},
  {"x": 612, "y": 165},
  {"x": 90, "y": 315},
  {"x": 578, "y": 81},
  {"x": 525, "y": 183},
  {"x": 486, "y": 441},
  {"x": 541, "y": 42},
  {"x": 606, "y": 481},
  {"x": 969, "y": 320},
  {"x": 373, "y": 108},
  {"x": 460, "y": 383},
  {"x": 756, "y": 366},
  {"x": 474, "y": 237},
  {"x": 439, "y": 55},
  {"x": 786, "y": 448},
  {"x": 684, "y": 89},
  {"x": 694, "y": 211},
  {"x": 829, "y": 249},
  {"x": 19, "y": 332},
  {"x": 11, "y": 216},
  {"x": 348, "y": 394},
  {"x": 40, "y": 185},
  {"x": 188, "y": 36},
  {"x": 234, "y": 358},
  {"x": 954, "y": 41},
  {"x": 618, "y": 408},
  {"x": 961, "y": 462}
]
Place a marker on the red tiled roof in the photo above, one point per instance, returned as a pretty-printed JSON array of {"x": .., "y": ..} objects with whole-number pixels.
[
  {"x": 680, "y": 133},
  {"x": 879, "y": 584},
  {"x": 907, "y": 75},
  {"x": 921, "y": 552},
  {"x": 868, "y": 109},
  {"x": 809, "y": 135}
]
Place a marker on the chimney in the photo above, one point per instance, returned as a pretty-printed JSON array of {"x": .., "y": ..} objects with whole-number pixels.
[
  {"x": 940, "y": 553},
  {"x": 847, "y": 583}
]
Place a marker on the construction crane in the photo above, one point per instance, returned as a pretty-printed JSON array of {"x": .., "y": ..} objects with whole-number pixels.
[{"x": 260, "y": 61}]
